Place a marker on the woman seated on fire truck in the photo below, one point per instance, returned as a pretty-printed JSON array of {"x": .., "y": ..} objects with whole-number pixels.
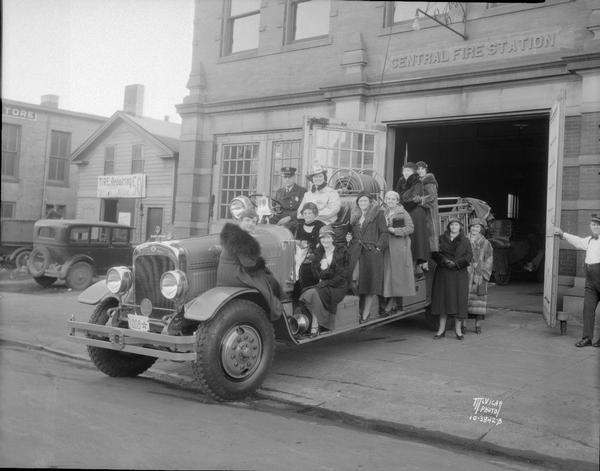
[
  {"x": 241, "y": 263},
  {"x": 330, "y": 267},
  {"x": 307, "y": 237}
]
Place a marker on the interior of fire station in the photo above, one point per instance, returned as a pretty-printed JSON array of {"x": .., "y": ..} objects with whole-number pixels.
[{"x": 502, "y": 162}]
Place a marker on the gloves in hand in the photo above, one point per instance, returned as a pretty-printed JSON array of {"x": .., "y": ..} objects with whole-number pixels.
[{"x": 449, "y": 264}]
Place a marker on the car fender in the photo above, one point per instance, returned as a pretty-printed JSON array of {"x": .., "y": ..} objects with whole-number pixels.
[
  {"x": 64, "y": 269},
  {"x": 208, "y": 303},
  {"x": 95, "y": 293}
]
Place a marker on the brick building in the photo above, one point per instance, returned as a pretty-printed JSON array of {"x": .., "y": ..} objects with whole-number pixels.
[
  {"x": 37, "y": 141},
  {"x": 502, "y": 100}
]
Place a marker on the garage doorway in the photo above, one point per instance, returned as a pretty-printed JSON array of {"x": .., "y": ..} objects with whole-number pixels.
[{"x": 503, "y": 162}]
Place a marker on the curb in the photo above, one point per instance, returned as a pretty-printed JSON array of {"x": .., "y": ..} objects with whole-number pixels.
[{"x": 405, "y": 432}]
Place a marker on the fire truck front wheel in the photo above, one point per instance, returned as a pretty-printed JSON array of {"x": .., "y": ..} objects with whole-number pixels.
[
  {"x": 112, "y": 362},
  {"x": 234, "y": 351}
]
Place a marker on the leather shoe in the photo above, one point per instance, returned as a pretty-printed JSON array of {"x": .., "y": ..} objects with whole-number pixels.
[
  {"x": 459, "y": 337},
  {"x": 584, "y": 342},
  {"x": 596, "y": 344},
  {"x": 439, "y": 336}
]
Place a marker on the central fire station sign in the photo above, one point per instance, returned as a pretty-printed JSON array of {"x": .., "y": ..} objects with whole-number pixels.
[{"x": 122, "y": 186}]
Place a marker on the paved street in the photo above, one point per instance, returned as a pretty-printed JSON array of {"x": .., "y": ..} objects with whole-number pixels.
[{"x": 394, "y": 380}]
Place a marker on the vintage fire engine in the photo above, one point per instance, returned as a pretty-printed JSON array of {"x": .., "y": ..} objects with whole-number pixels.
[{"x": 167, "y": 306}]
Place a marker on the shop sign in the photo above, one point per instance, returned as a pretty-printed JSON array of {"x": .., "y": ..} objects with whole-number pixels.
[
  {"x": 515, "y": 46},
  {"x": 122, "y": 186},
  {"x": 16, "y": 112}
]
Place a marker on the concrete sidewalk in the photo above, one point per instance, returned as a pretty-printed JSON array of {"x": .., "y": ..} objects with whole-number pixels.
[{"x": 397, "y": 378}]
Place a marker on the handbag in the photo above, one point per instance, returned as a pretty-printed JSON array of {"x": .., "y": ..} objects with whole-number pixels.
[
  {"x": 398, "y": 222},
  {"x": 482, "y": 288}
]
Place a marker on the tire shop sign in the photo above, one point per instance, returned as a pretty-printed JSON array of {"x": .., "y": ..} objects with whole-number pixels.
[{"x": 122, "y": 186}]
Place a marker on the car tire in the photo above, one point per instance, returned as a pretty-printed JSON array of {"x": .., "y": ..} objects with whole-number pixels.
[
  {"x": 111, "y": 362},
  {"x": 38, "y": 261},
  {"x": 235, "y": 350},
  {"x": 80, "y": 276},
  {"x": 44, "y": 281},
  {"x": 21, "y": 258}
]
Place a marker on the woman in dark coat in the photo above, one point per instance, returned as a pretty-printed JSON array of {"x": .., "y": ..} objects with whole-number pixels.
[
  {"x": 330, "y": 267},
  {"x": 307, "y": 239},
  {"x": 451, "y": 279},
  {"x": 241, "y": 264},
  {"x": 410, "y": 188},
  {"x": 370, "y": 237}
]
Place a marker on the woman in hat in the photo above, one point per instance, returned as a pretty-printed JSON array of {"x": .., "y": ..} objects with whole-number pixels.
[
  {"x": 307, "y": 239},
  {"x": 330, "y": 268},
  {"x": 324, "y": 197},
  {"x": 451, "y": 279},
  {"x": 369, "y": 239},
  {"x": 398, "y": 275},
  {"x": 480, "y": 271},
  {"x": 410, "y": 188},
  {"x": 241, "y": 263}
]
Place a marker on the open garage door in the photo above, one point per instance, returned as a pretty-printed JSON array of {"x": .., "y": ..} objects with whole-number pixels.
[{"x": 553, "y": 206}]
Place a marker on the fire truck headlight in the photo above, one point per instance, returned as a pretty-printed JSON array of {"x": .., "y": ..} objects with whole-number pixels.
[
  {"x": 238, "y": 205},
  {"x": 173, "y": 284},
  {"x": 118, "y": 280}
]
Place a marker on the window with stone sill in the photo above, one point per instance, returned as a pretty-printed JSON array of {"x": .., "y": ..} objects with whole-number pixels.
[
  {"x": 241, "y": 26},
  {"x": 58, "y": 162},
  {"x": 307, "y": 19}
]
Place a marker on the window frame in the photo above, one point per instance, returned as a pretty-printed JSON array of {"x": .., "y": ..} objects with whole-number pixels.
[
  {"x": 110, "y": 161},
  {"x": 139, "y": 161},
  {"x": 8, "y": 204},
  {"x": 55, "y": 158},
  {"x": 253, "y": 184},
  {"x": 290, "y": 23},
  {"x": 16, "y": 153},
  {"x": 291, "y": 161},
  {"x": 228, "y": 27}
]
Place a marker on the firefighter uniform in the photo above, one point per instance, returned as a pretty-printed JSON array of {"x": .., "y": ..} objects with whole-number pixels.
[{"x": 289, "y": 198}]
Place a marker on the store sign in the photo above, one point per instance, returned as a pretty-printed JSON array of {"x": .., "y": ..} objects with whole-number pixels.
[
  {"x": 514, "y": 46},
  {"x": 122, "y": 186},
  {"x": 15, "y": 112}
]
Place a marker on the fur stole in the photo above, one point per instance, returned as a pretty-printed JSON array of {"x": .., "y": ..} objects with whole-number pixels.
[
  {"x": 429, "y": 179},
  {"x": 243, "y": 246},
  {"x": 372, "y": 213},
  {"x": 406, "y": 184},
  {"x": 397, "y": 212}
]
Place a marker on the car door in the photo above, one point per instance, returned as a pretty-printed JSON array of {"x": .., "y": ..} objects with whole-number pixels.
[
  {"x": 99, "y": 248},
  {"x": 120, "y": 247}
]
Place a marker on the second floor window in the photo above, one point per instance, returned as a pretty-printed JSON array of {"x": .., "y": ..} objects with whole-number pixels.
[
  {"x": 241, "y": 26},
  {"x": 11, "y": 141},
  {"x": 307, "y": 19},
  {"x": 137, "y": 159},
  {"x": 109, "y": 160},
  {"x": 60, "y": 149},
  {"x": 405, "y": 11}
]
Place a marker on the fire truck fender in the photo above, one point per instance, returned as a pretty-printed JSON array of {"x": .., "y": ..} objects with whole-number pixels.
[
  {"x": 95, "y": 293},
  {"x": 208, "y": 303}
]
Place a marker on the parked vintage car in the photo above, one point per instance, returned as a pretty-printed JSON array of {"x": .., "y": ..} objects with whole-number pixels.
[
  {"x": 76, "y": 250},
  {"x": 16, "y": 242}
]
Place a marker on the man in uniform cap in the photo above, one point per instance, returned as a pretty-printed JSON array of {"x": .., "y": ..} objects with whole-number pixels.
[
  {"x": 289, "y": 195},
  {"x": 591, "y": 245}
]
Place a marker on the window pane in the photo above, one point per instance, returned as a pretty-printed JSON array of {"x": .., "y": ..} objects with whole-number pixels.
[
  {"x": 312, "y": 19},
  {"x": 369, "y": 141},
  {"x": 10, "y": 137},
  {"x": 404, "y": 11},
  {"x": 120, "y": 236},
  {"x": 245, "y": 33},
  {"x": 8, "y": 209},
  {"x": 244, "y": 6}
]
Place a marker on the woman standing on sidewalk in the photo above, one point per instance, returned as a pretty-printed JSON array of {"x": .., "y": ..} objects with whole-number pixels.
[
  {"x": 451, "y": 279},
  {"x": 480, "y": 271}
]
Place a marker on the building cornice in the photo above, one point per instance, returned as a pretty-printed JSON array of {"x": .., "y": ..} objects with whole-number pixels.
[{"x": 58, "y": 111}]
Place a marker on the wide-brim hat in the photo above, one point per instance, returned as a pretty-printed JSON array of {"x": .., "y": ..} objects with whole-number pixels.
[
  {"x": 316, "y": 170},
  {"x": 326, "y": 230}
]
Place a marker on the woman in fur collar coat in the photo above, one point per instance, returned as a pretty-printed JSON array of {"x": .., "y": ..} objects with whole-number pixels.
[
  {"x": 241, "y": 263},
  {"x": 411, "y": 193},
  {"x": 430, "y": 202},
  {"x": 370, "y": 237}
]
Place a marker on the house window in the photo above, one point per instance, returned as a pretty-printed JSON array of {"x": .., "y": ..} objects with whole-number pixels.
[
  {"x": 344, "y": 149},
  {"x": 397, "y": 12},
  {"x": 56, "y": 210},
  {"x": 241, "y": 26},
  {"x": 137, "y": 161},
  {"x": 11, "y": 142},
  {"x": 109, "y": 160},
  {"x": 238, "y": 174},
  {"x": 60, "y": 149},
  {"x": 285, "y": 154},
  {"x": 307, "y": 19},
  {"x": 8, "y": 209}
]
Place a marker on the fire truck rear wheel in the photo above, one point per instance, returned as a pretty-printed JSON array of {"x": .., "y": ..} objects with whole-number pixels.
[
  {"x": 234, "y": 351},
  {"x": 112, "y": 362}
]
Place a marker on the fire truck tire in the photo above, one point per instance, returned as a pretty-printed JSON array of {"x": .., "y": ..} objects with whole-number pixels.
[
  {"x": 80, "y": 276},
  {"x": 234, "y": 351},
  {"x": 44, "y": 281},
  {"x": 112, "y": 362}
]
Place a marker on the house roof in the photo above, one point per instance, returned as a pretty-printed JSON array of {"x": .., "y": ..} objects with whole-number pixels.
[
  {"x": 50, "y": 110},
  {"x": 163, "y": 133}
]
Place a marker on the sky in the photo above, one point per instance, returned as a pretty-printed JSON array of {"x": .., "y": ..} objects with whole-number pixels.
[{"x": 87, "y": 51}]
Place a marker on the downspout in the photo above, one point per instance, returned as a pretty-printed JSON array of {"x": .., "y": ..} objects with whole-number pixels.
[{"x": 45, "y": 170}]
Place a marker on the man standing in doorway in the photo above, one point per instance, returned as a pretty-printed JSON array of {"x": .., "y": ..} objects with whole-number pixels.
[
  {"x": 591, "y": 245},
  {"x": 289, "y": 195}
]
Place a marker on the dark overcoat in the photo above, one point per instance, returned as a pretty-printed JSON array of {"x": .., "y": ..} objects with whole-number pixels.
[
  {"x": 411, "y": 195},
  {"x": 430, "y": 203},
  {"x": 451, "y": 285},
  {"x": 241, "y": 264},
  {"x": 369, "y": 242},
  {"x": 333, "y": 281},
  {"x": 290, "y": 201}
]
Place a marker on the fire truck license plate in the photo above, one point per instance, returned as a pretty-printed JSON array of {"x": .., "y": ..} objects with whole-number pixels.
[{"x": 139, "y": 323}]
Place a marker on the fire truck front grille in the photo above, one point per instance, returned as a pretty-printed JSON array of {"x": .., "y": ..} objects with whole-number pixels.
[{"x": 148, "y": 269}]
